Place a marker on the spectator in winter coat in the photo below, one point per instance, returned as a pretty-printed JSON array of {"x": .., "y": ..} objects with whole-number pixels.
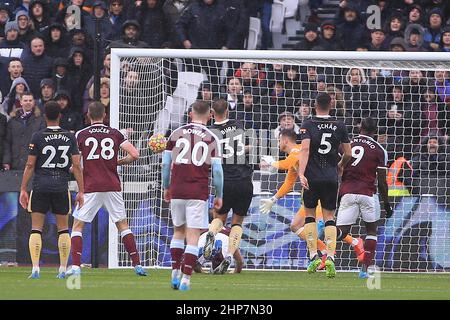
[
  {"x": 311, "y": 38},
  {"x": 39, "y": 15},
  {"x": 24, "y": 123},
  {"x": 25, "y": 31},
  {"x": 445, "y": 39},
  {"x": 117, "y": 16},
  {"x": 70, "y": 119},
  {"x": 442, "y": 84},
  {"x": 173, "y": 10},
  {"x": 79, "y": 73},
  {"x": 12, "y": 101},
  {"x": 394, "y": 28},
  {"x": 15, "y": 70},
  {"x": 328, "y": 39},
  {"x": 414, "y": 38},
  {"x": 351, "y": 32},
  {"x": 152, "y": 19},
  {"x": 11, "y": 40},
  {"x": 36, "y": 65},
  {"x": 237, "y": 23},
  {"x": 131, "y": 30},
  {"x": 56, "y": 42},
  {"x": 432, "y": 35},
  {"x": 5, "y": 15},
  {"x": 47, "y": 93}
]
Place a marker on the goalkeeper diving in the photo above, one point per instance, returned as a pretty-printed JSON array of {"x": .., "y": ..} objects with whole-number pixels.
[{"x": 287, "y": 143}]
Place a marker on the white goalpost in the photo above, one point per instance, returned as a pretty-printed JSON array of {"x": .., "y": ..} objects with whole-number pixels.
[{"x": 407, "y": 92}]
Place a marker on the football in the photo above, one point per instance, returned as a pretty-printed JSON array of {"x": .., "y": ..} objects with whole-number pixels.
[{"x": 157, "y": 143}]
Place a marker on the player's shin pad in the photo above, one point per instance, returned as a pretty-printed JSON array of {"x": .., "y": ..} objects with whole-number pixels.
[
  {"x": 35, "y": 246},
  {"x": 64, "y": 243},
  {"x": 310, "y": 231},
  {"x": 330, "y": 237},
  {"x": 216, "y": 226},
  {"x": 234, "y": 238}
]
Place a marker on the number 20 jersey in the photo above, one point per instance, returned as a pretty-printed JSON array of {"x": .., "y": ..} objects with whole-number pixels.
[
  {"x": 193, "y": 146},
  {"x": 325, "y": 134},
  {"x": 99, "y": 146}
]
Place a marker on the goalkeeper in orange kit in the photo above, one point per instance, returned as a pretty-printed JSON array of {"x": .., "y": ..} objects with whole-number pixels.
[{"x": 287, "y": 143}]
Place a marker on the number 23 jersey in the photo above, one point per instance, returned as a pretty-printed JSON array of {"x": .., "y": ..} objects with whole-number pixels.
[
  {"x": 99, "y": 146},
  {"x": 325, "y": 134}
]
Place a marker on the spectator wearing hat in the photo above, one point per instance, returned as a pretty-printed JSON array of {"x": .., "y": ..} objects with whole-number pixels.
[
  {"x": 445, "y": 39},
  {"x": 70, "y": 119},
  {"x": 131, "y": 30},
  {"x": 432, "y": 35},
  {"x": 11, "y": 102},
  {"x": 79, "y": 73},
  {"x": 100, "y": 12},
  {"x": 15, "y": 70},
  {"x": 414, "y": 38},
  {"x": 152, "y": 19},
  {"x": 117, "y": 16},
  {"x": 47, "y": 93},
  {"x": 60, "y": 74},
  {"x": 5, "y": 15},
  {"x": 351, "y": 31},
  {"x": 394, "y": 28},
  {"x": 377, "y": 37},
  {"x": 36, "y": 65},
  {"x": 397, "y": 44},
  {"x": 415, "y": 15},
  {"x": 24, "y": 24},
  {"x": 56, "y": 42},
  {"x": 11, "y": 40},
  {"x": 328, "y": 39},
  {"x": 311, "y": 38},
  {"x": 39, "y": 15},
  {"x": 81, "y": 38}
]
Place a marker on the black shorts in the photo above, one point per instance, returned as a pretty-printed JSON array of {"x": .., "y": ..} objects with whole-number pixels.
[
  {"x": 55, "y": 202},
  {"x": 325, "y": 191},
  {"x": 237, "y": 195}
]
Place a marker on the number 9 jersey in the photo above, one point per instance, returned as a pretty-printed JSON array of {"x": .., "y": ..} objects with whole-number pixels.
[{"x": 99, "y": 146}]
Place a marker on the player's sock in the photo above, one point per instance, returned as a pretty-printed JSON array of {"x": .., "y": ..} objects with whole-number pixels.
[
  {"x": 35, "y": 245},
  {"x": 310, "y": 230},
  {"x": 370, "y": 245},
  {"x": 320, "y": 245},
  {"x": 64, "y": 249},
  {"x": 176, "y": 253},
  {"x": 330, "y": 238},
  {"x": 234, "y": 238},
  {"x": 130, "y": 245},
  {"x": 190, "y": 259},
  {"x": 76, "y": 247},
  {"x": 216, "y": 225}
]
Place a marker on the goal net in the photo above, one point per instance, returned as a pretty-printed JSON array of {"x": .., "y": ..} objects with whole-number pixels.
[{"x": 408, "y": 94}]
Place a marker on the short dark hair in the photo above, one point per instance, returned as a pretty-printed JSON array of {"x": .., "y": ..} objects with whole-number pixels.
[
  {"x": 27, "y": 93},
  {"x": 323, "y": 101},
  {"x": 14, "y": 59},
  {"x": 369, "y": 125},
  {"x": 289, "y": 133},
  {"x": 200, "y": 107},
  {"x": 96, "y": 110},
  {"x": 52, "y": 110},
  {"x": 220, "y": 106}
]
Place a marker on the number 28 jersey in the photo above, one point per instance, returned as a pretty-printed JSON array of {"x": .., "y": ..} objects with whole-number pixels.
[
  {"x": 193, "y": 147},
  {"x": 325, "y": 134},
  {"x": 99, "y": 146}
]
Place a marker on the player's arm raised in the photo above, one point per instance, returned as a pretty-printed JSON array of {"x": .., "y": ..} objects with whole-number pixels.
[
  {"x": 288, "y": 185},
  {"x": 383, "y": 190},
  {"x": 303, "y": 157},
  {"x": 166, "y": 164},
  {"x": 78, "y": 174},
  {"x": 217, "y": 170},
  {"x": 27, "y": 174},
  {"x": 132, "y": 153}
]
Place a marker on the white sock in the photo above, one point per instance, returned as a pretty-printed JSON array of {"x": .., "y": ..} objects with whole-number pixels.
[
  {"x": 186, "y": 279},
  {"x": 36, "y": 269},
  {"x": 354, "y": 242},
  {"x": 176, "y": 273},
  {"x": 62, "y": 269}
]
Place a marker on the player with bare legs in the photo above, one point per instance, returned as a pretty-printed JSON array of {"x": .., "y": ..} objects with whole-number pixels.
[{"x": 192, "y": 150}]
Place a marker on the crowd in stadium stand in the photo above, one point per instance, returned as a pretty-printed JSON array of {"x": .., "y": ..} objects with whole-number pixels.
[{"x": 45, "y": 54}]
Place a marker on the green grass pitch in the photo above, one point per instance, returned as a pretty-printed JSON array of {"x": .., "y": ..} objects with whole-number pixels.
[{"x": 124, "y": 284}]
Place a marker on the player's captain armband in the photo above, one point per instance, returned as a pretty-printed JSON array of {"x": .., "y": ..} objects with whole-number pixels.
[{"x": 166, "y": 164}]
